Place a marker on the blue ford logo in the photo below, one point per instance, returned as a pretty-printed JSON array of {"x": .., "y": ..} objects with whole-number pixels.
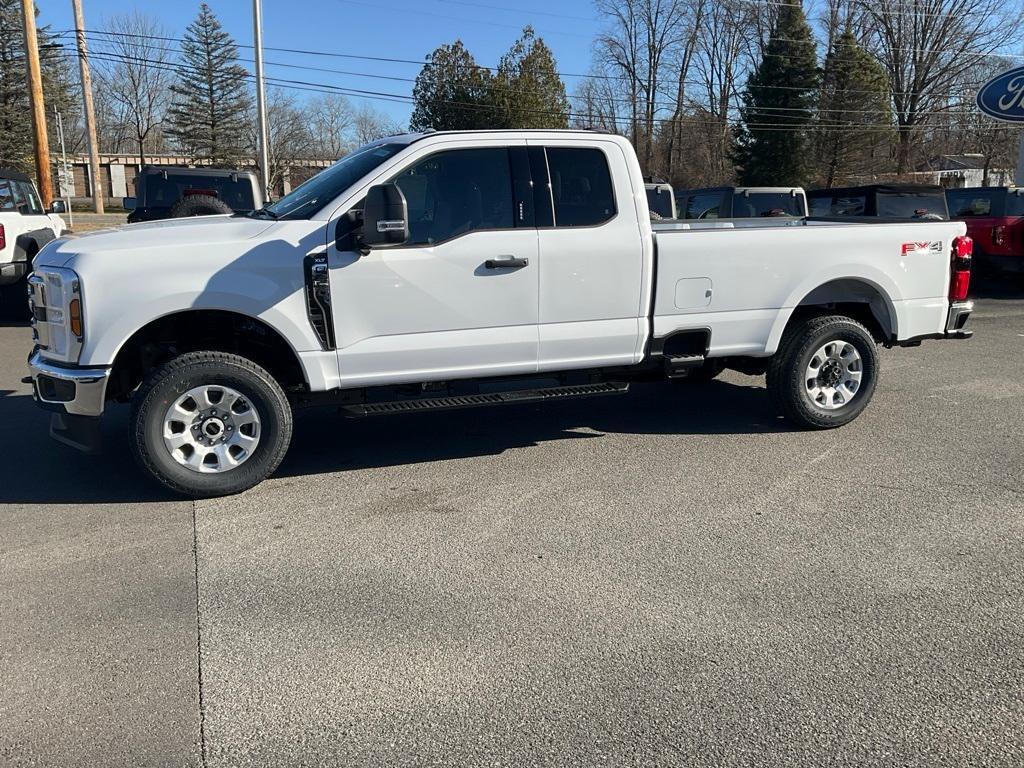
[{"x": 1003, "y": 97}]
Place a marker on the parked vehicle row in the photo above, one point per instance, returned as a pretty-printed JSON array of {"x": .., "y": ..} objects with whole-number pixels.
[
  {"x": 884, "y": 201},
  {"x": 25, "y": 227},
  {"x": 740, "y": 202},
  {"x": 173, "y": 193},
  {"x": 444, "y": 270},
  {"x": 995, "y": 221}
]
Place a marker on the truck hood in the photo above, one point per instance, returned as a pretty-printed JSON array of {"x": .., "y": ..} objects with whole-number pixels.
[{"x": 181, "y": 234}]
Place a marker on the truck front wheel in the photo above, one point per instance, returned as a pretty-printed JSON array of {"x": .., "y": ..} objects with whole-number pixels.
[
  {"x": 824, "y": 372},
  {"x": 210, "y": 424}
]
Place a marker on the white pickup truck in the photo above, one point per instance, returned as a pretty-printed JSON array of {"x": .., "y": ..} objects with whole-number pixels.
[
  {"x": 25, "y": 227},
  {"x": 443, "y": 270}
]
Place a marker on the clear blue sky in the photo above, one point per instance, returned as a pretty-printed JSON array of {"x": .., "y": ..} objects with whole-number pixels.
[{"x": 406, "y": 29}]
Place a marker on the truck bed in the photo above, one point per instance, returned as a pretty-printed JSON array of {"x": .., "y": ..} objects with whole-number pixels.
[{"x": 746, "y": 286}]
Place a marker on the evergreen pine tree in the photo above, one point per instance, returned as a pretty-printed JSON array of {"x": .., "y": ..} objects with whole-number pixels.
[
  {"x": 529, "y": 93},
  {"x": 58, "y": 91},
  {"x": 452, "y": 93},
  {"x": 772, "y": 143},
  {"x": 854, "y": 102},
  {"x": 209, "y": 116}
]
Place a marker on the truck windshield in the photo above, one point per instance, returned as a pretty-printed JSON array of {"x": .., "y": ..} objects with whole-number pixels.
[{"x": 311, "y": 196}]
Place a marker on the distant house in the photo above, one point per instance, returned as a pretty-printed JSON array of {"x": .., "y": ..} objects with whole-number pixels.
[{"x": 956, "y": 171}]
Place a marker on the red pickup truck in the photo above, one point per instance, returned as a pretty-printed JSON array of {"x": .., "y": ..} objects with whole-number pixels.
[{"x": 995, "y": 221}]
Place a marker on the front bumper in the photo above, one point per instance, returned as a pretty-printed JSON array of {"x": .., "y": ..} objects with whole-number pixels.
[{"x": 72, "y": 390}]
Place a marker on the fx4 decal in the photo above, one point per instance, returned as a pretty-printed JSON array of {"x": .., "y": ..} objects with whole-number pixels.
[{"x": 911, "y": 249}]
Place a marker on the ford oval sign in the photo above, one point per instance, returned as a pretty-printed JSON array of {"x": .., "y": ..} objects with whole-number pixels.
[{"x": 1002, "y": 97}]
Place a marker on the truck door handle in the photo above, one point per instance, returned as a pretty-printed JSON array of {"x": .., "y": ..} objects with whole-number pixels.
[{"x": 506, "y": 262}]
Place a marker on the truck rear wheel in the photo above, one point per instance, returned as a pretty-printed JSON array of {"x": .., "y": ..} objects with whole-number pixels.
[
  {"x": 825, "y": 372},
  {"x": 210, "y": 424}
]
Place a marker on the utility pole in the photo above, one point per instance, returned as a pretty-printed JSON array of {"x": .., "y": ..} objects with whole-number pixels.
[
  {"x": 35, "y": 94},
  {"x": 261, "y": 96},
  {"x": 90, "y": 115},
  {"x": 65, "y": 173}
]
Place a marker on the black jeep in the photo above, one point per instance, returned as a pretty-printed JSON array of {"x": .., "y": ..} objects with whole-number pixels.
[{"x": 170, "y": 193}]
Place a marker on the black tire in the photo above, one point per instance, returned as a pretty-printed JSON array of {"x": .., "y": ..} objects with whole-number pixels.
[
  {"x": 199, "y": 205},
  {"x": 195, "y": 369},
  {"x": 786, "y": 372},
  {"x": 14, "y": 297}
]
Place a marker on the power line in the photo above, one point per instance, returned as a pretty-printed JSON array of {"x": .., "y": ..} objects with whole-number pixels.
[
  {"x": 423, "y": 63},
  {"x": 377, "y": 95},
  {"x": 666, "y": 105},
  {"x": 119, "y": 56},
  {"x": 506, "y": 25}
]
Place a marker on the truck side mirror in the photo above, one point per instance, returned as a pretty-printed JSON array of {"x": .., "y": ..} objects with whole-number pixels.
[
  {"x": 128, "y": 203},
  {"x": 58, "y": 206},
  {"x": 385, "y": 217},
  {"x": 346, "y": 231}
]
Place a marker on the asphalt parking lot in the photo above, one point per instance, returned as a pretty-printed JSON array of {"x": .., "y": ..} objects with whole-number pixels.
[{"x": 668, "y": 578}]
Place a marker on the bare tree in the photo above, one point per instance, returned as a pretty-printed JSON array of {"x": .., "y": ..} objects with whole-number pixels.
[
  {"x": 926, "y": 47},
  {"x": 683, "y": 64},
  {"x": 595, "y": 102},
  {"x": 642, "y": 35},
  {"x": 289, "y": 137},
  {"x": 720, "y": 65},
  {"x": 136, "y": 74},
  {"x": 621, "y": 48},
  {"x": 369, "y": 125},
  {"x": 112, "y": 128},
  {"x": 968, "y": 131},
  {"x": 332, "y": 118}
]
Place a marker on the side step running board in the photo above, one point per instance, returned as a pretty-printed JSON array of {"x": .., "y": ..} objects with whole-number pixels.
[
  {"x": 497, "y": 398},
  {"x": 678, "y": 366}
]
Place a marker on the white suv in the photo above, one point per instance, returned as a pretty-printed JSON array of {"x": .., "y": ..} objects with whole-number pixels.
[{"x": 25, "y": 227}]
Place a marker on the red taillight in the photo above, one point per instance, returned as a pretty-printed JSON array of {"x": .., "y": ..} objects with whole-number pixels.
[
  {"x": 3, "y": 238},
  {"x": 999, "y": 235},
  {"x": 960, "y": 269}
]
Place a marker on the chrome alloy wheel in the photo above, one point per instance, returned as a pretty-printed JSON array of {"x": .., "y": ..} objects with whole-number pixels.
[
  {"x": 211, "y": 428},
  {"x": 833, "y": 375}
]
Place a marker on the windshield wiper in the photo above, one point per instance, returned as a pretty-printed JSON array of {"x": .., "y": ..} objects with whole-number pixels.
[
  {"x": 266, "y": 211},
  {"x": 291, "y": 214}
]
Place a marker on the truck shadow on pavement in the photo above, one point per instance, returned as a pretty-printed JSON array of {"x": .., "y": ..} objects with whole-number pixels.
[
  {"x": 334, "y": 443},
  {"x": 45, "y": 472},
  {"x": 41, "y": 471}
]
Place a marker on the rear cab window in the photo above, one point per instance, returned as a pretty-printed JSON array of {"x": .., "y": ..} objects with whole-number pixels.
[
  {"x": 581, "y": 186},
  {"x": 965, "y": 203},
  {"x": 6, "y": 196},
  {"x": 163, "y": 191},
  {"x": 32, "y": 201},
  {"x": 20, "y": 201},
  {"x": 705, "y": 205},
  {"x": 659, "y": 201},
  {"x": 837, "y": 204},
  {"x": 760, "y": 204},
  {"x": 1014, "y": 203},
  {"x": 910, "y": 205}
]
